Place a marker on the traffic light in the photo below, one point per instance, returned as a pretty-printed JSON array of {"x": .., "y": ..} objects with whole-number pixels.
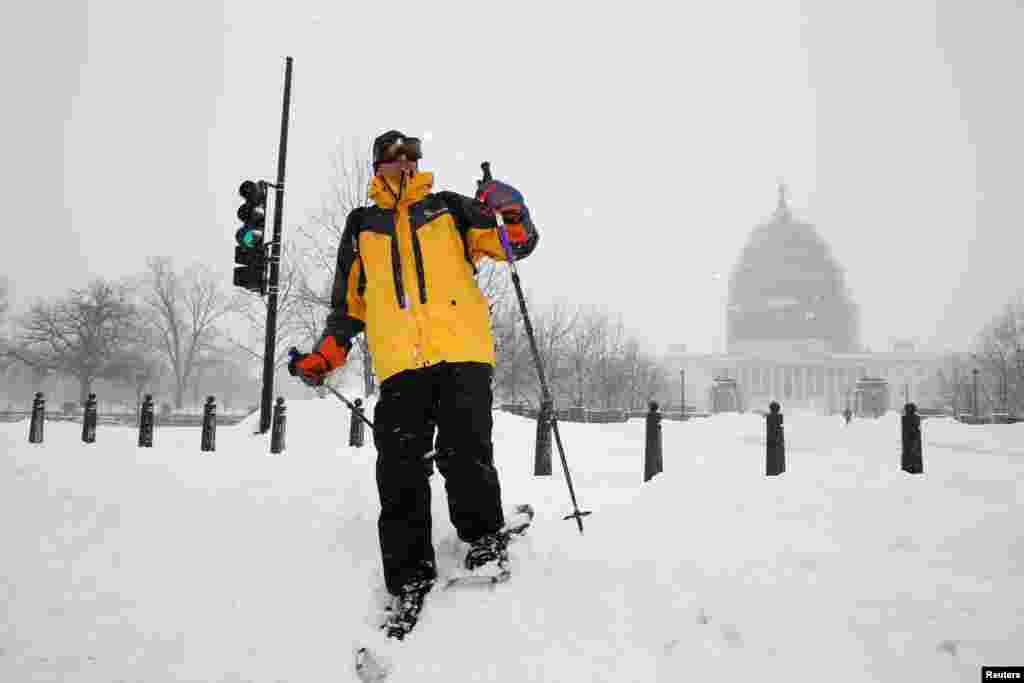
[{"x": 250, "y": 253}]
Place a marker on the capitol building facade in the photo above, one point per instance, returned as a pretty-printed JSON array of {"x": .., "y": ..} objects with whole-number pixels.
[{"x": 792, "y": 335}]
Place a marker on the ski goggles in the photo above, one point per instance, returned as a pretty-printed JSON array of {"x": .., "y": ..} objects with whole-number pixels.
[{"x": 392, "y": 150}]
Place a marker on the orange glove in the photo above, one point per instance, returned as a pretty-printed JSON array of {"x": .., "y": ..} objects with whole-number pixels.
[{"x": 312, "y": 367}]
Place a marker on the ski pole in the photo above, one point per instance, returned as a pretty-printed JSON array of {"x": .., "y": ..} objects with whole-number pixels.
[
  {"x": 293, "y": 352},
  {"x": 429, "y": 455},
  {"x": 545, "y": 394},
  {"x": 359, "y": 413}
]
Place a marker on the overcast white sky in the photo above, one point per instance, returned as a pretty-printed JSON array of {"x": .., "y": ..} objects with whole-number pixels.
[{"x": 646, "y": 136}]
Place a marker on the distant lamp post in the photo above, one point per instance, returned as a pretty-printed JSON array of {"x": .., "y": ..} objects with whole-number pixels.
[
  {"x": 965, "y": 393},
  {"x": 1002, "y": 414},
  {"x": 974, "y": 372},
  {"x": 1020, "y": 375},
  {"x": 1004, "y": 397},
  {"x": 682, "y": 394}
]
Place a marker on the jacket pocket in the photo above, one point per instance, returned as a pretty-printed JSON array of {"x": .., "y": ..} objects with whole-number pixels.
[{"x": 382, "y": 268}]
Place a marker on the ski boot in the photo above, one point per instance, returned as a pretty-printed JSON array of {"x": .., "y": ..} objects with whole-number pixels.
[
  {"x": 488, "y": 555},
  {"x": 405, "y": 607}
]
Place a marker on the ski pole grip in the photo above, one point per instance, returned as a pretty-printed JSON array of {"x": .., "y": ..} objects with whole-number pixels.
[
  {"x": 502, "y": 233},
  {"x": 293, "y": 353}
]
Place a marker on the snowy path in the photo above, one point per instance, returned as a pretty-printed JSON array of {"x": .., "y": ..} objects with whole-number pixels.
[{"x": 165, "y": 564}]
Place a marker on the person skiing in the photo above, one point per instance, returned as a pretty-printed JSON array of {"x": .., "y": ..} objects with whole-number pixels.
[{"x": 405, "y": 277}]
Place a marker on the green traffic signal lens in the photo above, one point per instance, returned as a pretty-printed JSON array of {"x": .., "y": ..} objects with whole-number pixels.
[
  {"x": 252, "y": 237},
  {"x": 249, "y": 238}
]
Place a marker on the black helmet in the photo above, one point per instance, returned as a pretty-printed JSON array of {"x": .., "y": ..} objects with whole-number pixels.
[{"x": 392, "y": 144}]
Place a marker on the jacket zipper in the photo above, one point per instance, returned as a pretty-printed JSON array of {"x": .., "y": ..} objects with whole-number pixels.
[
  {"x": 418, "y": 257},
  {"x": 396, "y": 263},
  {"x": 420, "y": 273},
  {"x": 396, "y": 267}
]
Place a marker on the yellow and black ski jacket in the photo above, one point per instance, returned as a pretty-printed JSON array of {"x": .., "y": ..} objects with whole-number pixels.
[{"x": 405, "y": 275}]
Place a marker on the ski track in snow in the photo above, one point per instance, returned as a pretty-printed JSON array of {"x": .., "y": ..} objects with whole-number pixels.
[{"x": 167, "y": 564}]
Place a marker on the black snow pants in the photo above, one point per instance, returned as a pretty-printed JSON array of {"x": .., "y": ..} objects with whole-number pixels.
[{"x": 457, "y": 399}]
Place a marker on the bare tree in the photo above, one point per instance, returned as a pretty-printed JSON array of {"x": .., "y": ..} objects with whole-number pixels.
[
  {"x": 292, "y": 306},
  {"x": 585, "y": 342},
  {"x": 20, "y": 376},
  {"x": 495, "y": 282},
  {"x": 947, "y": 384},
  {"x": 516, "y": 374},
  {"x": 233, "y": 379},
  {"x": 184, "y": 311},
  {"x": 139, "y": 369},
  {"x": 5, "y": 298},
  {"x": 652, "y": 378},
  {"x": 5, "y": 305},
  {"x": 955, "y": 380},
  {"x": 995, "y": 354},
  {"x": 80, "y": 334},
  {"x": 641, "y": 377},
  {"x": 39, "y": 374},
  {"x": 608, "y": 377},
  {"x": 347, "y": 190},
  {"x": 589, "y": 358},
  {"x": 514, "y": 370},
  {"x": 552, "y": 328}
]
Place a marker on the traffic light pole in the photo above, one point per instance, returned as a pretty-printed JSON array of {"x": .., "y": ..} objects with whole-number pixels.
[{"x": 275, "y": 260}]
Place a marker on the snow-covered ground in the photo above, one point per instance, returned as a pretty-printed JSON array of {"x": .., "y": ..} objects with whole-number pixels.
[{"x": 168, "y": 564}]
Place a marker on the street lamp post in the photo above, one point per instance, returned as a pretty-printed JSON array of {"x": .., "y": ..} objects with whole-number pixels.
[
  {"x": 682, "y": 394},
  {"x": 956, "y": 394},
  {"x": 1020, "y": 377},
  {"x": 965, "y": 394},
  {"x": 1004, "y": 398},
  {"x": 1002, "y": 414},
  {"x": 974, "y": 372}
]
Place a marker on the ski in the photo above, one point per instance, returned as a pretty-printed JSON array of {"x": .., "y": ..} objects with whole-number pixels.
[
  {"x": 523, "y": 518},
  {"x": 468, "y": 579}
]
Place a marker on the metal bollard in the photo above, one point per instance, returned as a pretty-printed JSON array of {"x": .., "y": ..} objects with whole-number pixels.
[
  {"x": 355, "y": 431},
  {"x": 652, "y": 451},
  {"x": 776, "y": 443},
  {"x": 89, "y": 420},
  {"x": 911, "y": 460},
  {"x": 146, "y": 423},
  {"x": 277, "y": 428},
  {"x": 209, "y": 440},
  {"x": 35, "y": 428},
  {"x": 542, "y": 453}
]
